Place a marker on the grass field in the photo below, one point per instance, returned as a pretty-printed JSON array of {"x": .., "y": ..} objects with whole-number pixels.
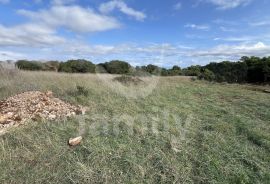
[{"x": 166, "y": 130}]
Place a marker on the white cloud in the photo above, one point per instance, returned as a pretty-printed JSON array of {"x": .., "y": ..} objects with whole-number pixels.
[
  {"x": 228, "y": 4},
  {"x": 177, "y": 6},
  {"x": 199, "y": 27},
  {"x": 4, "y": 1},
  {"x": 260, "y": 23},
  {"x": 28, "y": 35},
  {"x": 9, "y": 55},
  {"x": 257, "y": 49},
  {"x": 122, "y": 6},
  {"x": 74, "y": 18},
  {"x": 245, "y": 38}
]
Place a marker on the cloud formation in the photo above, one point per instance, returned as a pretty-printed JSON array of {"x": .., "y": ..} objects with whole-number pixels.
[
  {"x": 196, "y": 26},
  {"x": 74, "y": 18},
  {"x": 28, "y": 35},
  {"x": 228, "y": 4},
  {"x": 260, "y": 23},
  {"x": 257, "y": 49},
  {"x": 9, "y": 55},
  {"x": 122, "y": 7}
]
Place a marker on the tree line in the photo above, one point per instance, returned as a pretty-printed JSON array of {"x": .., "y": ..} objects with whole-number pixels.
[{"x": 247, "y": 69}]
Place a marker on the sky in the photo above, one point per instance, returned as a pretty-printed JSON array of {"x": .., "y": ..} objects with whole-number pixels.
[{"x": 161, "y": 32}]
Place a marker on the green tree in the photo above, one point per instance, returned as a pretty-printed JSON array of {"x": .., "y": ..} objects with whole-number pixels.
[
  {"x": 175, "y": 70},
  {"x": 77, "y": 66},
  {"x": 29, "y": 65},
  {"x": 192, "y": 70},
  {"x": 206, "y": 75},
  {"x": 117, "y": 67},
  {"x": 152, "y": 69}
]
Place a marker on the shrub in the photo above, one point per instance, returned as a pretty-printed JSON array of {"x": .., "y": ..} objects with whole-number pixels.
[
  {"x": 164, "y": 72},
  {"x": 100, "y": 68},
  {"x": 139, "y": 71},
  {"x": 176, "y": 70},
  {"x": 207, "y": 75},
  {"x": 153, "y": 69},
  {"x": 51, "y": 66},
  {"x": 28, "y": 65},
  {"x": 117, "y": 67},
  {"x": 192, "y": 71},
  {"x": 81, "y": 90},
  {"x": 228, "y": 71},
  {"x": 127, "y": 80},
  {"x": 77, "y": 66}
]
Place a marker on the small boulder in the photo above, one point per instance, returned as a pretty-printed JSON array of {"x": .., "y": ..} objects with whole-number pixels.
[{"x": 75, "y": 141}]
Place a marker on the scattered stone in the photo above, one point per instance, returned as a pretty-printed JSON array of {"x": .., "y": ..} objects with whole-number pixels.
[
  {"x": 74, "y": 141},
  {"x": 34, "y": 105},
  {"x": 49, "y": 93},
  {"x": 266, "y": 91},
  {"x": 52, "y": 116},
  {"x": 3, "y": 119}
]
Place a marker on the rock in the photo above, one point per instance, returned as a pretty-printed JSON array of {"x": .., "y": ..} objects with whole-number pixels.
[
  {"x": 10, "y": 114},
  {"x": 17, "y": 118},
  {"x": 52, "y": 116},
  {"x": 266, "y": 91},
  {"x": 33, "y": 105},
  {"x": 49, "y": 93},
  {"x": 74, "y": 141},
  {"x": 3, "y": 119}
]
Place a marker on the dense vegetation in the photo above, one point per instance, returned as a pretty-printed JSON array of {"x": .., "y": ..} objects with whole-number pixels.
[
  {"x": 77, "y": 66},
  {"x": 116, "y": 67},
  {"x": 36, "y": 66},
  {"x": 248, "y": 69}
]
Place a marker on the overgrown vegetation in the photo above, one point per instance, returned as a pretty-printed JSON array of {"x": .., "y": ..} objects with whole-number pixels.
[
  {"x": 37, "y": 66},
  {"x": 77, "y": 66},
  {"x": 226, "y": 141},
  {"x": 128, "y": 80},
  {"x": 117, "y": 67},
  {"x": 247, "y": 70}
]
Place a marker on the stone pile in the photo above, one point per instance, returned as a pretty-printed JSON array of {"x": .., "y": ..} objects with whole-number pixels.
[{"x": 34, "y": 105}]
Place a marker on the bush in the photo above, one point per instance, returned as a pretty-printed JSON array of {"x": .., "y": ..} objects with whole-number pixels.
[
  {"x": 228, "y": 71},
  {"x": 100, "y": 68},
  {"x": 176, "y": 70},
  {"x": 77, "y": 66},
  {"x": 81, "y": 90},
  {"x": 127, "y": 80},
  {"x": 207, "y": 75},
  {"x": 192, "y": 71},
  {"x": 258, "y": 69},
  {"x": 117, "y": 67},
  {"x": 51, "y": 66},
  {"x": 153, "y": 69},
  {"x": 29, "y": 65}
]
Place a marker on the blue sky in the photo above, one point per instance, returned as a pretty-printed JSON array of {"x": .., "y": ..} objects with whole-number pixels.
[{"x": 162, "y": 32}]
